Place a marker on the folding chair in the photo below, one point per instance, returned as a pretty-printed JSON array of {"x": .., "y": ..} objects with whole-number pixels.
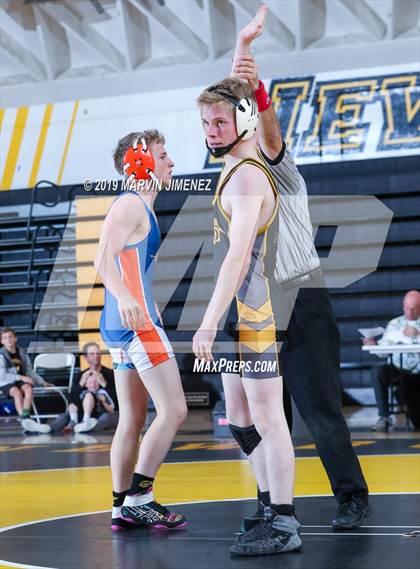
[
  {"x": 394, "y": 385},
  {"x": 53, "y": 362}
]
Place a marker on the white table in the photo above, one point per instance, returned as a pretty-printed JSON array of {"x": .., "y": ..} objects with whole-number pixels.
[{"x": 393, "y": 349}]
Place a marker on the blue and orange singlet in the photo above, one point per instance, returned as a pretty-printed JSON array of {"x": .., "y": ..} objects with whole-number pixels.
[{"x": 149, "y": 346}]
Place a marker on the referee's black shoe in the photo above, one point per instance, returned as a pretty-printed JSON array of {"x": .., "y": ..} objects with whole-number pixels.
[{"x": 351, "y": 514}]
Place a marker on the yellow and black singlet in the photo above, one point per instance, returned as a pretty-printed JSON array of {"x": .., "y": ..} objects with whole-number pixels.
[{"x": 256, "y": 331}]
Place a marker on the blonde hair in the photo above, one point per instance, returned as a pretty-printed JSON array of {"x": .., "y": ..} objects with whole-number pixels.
[
  {"x": 231, "y": 87},
  {"x": 151, "y": 136}
]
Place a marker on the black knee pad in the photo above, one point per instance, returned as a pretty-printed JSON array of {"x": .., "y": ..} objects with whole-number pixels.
[{"x": 246, "y": 437}]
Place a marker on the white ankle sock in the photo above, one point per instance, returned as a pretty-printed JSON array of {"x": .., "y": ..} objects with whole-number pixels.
[
  {"x": 138, "y": 499},
  {"x": 116, "y": 512}
]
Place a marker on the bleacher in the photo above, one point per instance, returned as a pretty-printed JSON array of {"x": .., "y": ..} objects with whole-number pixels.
[
  {"x": 377, "y": 298},
  {"x": 32, "y": 234}
]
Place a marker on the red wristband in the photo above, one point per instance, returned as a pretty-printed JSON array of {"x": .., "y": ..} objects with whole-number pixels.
[{"x": 262, "y": 97}]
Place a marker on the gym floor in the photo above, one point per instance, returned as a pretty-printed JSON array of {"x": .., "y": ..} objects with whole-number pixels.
[{"x": 55, "y": 503}]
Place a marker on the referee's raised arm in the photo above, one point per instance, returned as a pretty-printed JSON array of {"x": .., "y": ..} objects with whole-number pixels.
[{"x": 244, "y": 66}]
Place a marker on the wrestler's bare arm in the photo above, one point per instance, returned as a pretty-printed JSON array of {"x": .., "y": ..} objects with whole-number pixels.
[
  {"x": 244, "y": 197},
  {"x": 119, "y": 225},
  {"x": 122, "y": 221}
]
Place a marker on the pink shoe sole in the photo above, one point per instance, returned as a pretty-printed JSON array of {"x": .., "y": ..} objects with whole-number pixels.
[
  {"x": 129, "y": 524},
  {"x": 117, "y": 528},
  {"x": 160, "y": 527}
]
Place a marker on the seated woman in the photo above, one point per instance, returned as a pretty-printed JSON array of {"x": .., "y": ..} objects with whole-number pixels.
[
  {"x": 99, "y": 411},
  {"x": 105, "y": 377}
]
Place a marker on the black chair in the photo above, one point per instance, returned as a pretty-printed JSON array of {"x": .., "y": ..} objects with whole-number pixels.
[{"x": 395, "y": 385}]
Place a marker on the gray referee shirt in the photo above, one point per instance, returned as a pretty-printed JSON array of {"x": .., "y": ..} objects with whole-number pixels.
[{"x": 296, "y": 253}]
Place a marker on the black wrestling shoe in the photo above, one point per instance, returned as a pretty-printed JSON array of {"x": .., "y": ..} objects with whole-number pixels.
[
  {"x": 274, "y": 534},
  {"x": 351, "y": 514},
  {"x": 251, "y": 521},
  {"x": 118, "y": 523},
  {"x": 153, "y": 515},
  {"x": 257, "y": 531}
]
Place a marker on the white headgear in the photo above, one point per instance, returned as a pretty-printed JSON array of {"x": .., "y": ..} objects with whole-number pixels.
[{"x": 246, "y": 114}]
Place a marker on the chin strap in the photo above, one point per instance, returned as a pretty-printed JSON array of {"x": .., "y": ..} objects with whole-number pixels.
[{"x": 220, "y": 151}]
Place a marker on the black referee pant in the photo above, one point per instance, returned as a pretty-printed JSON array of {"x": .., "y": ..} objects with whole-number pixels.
[{"x": 310, "y": 360}]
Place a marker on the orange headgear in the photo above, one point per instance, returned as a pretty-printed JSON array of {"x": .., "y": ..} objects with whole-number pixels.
[{"x": 139, "y": 161}]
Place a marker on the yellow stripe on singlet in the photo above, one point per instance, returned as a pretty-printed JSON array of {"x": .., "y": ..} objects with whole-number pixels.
[
  {"x": 266, "y": 171},
  {"x": 257, "y": 340},
  {"x": 256, "y": 315}
]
